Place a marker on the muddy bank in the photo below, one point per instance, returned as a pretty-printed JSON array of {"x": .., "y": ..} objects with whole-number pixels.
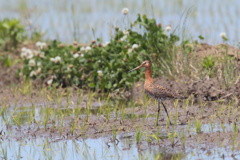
[{"x": 207, "y": 89}]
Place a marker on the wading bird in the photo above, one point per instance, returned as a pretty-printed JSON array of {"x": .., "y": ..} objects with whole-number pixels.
[{"x": 154, "y": 90}]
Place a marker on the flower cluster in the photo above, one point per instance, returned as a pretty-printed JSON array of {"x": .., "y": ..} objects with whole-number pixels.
[
  {"x": 85, "y": 49},
  {"x": 41, "y": 45},
  {"x": 32, "y": 58},
  {"x": 29, "y": 54},
  {"x": 134, "y": 46},
  {"x": 56, "y": 59}
]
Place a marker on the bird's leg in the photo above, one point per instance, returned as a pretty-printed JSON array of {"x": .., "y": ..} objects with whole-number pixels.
[
  {"x": 158, "y": 114},
  {"x": 166, "y": 112}
]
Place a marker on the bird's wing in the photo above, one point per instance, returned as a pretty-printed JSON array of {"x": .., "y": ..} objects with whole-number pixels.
[{"x": 159, "y": 92}]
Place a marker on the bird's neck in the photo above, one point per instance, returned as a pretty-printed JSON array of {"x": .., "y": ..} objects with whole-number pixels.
[{"x": 148, "y": 74}]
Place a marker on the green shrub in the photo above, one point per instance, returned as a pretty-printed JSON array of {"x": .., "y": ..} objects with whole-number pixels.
[
  {"x": 12, "y": 32},
  {"x": 101, "y": 66}
]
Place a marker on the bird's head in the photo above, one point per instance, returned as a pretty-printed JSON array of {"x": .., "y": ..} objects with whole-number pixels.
[{"x": 145, "y": 64}]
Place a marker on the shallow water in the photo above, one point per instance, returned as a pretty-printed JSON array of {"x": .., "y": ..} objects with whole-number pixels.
[
  {"x": 125, "y": 146},
  {"x": 86, "y": 20},
  {"x": 101, "y": 148}
]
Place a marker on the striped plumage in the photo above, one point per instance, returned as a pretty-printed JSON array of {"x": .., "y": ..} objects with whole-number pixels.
[{"x": 154, "y": 90}]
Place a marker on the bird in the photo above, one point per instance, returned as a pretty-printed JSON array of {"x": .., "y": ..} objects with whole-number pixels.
[{"x": 155, "y": 90}]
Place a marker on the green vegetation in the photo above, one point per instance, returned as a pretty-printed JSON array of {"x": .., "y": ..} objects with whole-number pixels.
[
  {"x": 100, "y": 66},
  {"x": 12, "y": 33}
]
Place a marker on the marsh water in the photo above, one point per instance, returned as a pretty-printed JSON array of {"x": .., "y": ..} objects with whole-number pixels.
[
  {"x": 25, "y": 136},
  {"x": 86, "y": 20}
]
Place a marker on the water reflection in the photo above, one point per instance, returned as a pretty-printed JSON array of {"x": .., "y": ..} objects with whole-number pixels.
[{"x": 71, "y": 20}]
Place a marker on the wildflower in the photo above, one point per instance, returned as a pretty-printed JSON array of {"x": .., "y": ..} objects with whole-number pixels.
[
  {"x": 39, "y": 64},
  {"x": 52, "y": 59},
  {"x": 23, "y": 55},
  {"x": 56, "y": 59},
  {"x": 168, "y": 28},
  {"x": 49, "y": 82},
  {"x": 39, "y": 70},
  {"x": 42, "y": 54},
  {"x": 130, "y": 50},
  {"x": 123, "y": 38},
  {"x": 32, "y": 63},
  {"x": 23, "y": 49},
  {"x": 41, "y": 45},
  {"x": 76, "y": 55},
  {"x": 29, "y": 54},
  {"x": 126, "y": 32},
  {"x": 36, "y": 53},
  {"x": 26, "y": 53},
  {"x": 106, "y": 44},
  {"x": 125, "y": 11},
  {"x": 82, "y": 55},
  {"x": 135, "y": 46},
  {"x": 88, "y": 48},
  {"x": 32, "y": 73},
  {"x": 100, "y": 73},
  {"x": 223, "y": 35},
  {"x": 82, "y": 49}
]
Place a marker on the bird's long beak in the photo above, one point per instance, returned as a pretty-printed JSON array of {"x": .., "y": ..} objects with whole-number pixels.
[{"x": 135, "y": 68}]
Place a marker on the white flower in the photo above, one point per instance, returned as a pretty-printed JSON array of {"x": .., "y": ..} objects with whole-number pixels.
[
  {"x": 26, "y": 53},
  {"x": 82, "y": 55},
  {"x": 49, "y": 82},
  {"x": 100, "y": 73},
  {"x": 88, "y": 48},
  {"x": 168, "y": 28},
  {"x": 223, "y": 35},
  {"x": 123, "y": 38},
  {"x": 29, "y": 54},
  {"x": 106, "y": 44},
  {"x": 76, "y": 55},
  {"x": 52, "y": 59},
  {"x": 129, "y": 50},
  {"x": 39, "y": 64},
  {"x": 32, "y": 73},
  {"x": 32, "y": 63},
  {"x": 41, "y": 45},
  {"x": 23, "y": 54},
  {"x": 135, "y": 46},
  {"x": 125, "y": 11},
  {"x": 42, "y": 54},
  {"x": 126, "y": 32},
  {"x": 23, "y": 49},
  {"x": 38, "y": 71},
  {"x": 82, "y": 49},
  {"x": 56, "y": 59}
]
